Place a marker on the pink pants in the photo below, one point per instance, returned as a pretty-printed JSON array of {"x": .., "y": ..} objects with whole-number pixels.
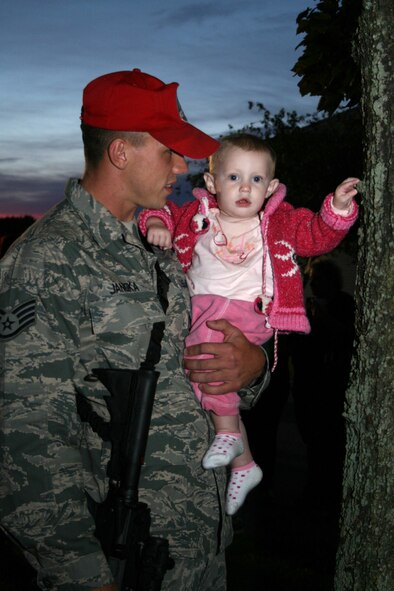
[{"x": 242, "y": 315}]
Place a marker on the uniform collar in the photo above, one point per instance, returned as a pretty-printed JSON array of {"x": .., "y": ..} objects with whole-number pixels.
[{"x": 104, "y": 227}]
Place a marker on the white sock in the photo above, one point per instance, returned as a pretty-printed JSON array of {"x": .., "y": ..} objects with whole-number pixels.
[
  {"x": 242, "y": 480},
  {"x": 224, "y": 448}
]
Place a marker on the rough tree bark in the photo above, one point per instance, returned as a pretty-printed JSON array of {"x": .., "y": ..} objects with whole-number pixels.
[{"x": 365, "y": 558}]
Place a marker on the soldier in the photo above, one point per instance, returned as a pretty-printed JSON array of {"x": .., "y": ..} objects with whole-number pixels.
[{"x": 78, "y": 291}]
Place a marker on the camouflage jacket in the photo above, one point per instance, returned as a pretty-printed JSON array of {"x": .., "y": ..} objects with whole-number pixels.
[{"x": 78, "y": 291}]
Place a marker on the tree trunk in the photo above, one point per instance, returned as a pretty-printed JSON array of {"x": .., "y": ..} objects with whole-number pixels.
[{"x": 365, "y": 558}]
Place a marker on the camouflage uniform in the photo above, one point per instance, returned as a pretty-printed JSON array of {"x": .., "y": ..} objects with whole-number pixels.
[{"x": 78, "y": 291}]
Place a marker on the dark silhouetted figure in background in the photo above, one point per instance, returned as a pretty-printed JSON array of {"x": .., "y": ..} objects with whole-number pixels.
[{"x": 321, "y": 362}]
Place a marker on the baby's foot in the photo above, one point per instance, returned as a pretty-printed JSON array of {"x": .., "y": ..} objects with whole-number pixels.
[
  {"x": 224, "y": 448},
  {"x": 242, "y": 480}
]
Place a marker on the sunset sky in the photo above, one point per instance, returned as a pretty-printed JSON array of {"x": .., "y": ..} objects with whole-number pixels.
[{"x": 222, "y": 53}]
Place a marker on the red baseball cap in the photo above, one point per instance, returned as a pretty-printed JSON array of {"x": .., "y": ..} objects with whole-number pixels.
[{"x": 135, "y": 101}]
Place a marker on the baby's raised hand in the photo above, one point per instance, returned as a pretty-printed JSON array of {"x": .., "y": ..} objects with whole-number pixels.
[
  {"x": 345, "y": 192},
  {"x": 159, "y": 235}
]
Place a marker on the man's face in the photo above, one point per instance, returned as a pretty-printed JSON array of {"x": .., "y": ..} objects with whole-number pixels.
[{"x": 153, "y": 173}]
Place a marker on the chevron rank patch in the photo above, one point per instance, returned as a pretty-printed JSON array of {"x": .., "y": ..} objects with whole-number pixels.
[{"x": 15, "y": 321}]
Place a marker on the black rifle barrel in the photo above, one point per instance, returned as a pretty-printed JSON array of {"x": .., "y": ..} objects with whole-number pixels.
[{"x": 132, "y": 393}]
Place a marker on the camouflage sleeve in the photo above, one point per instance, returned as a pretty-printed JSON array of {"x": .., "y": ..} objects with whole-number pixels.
[
  {"x": 43, "y": 504},
  {"x": 249, "y": 396}
]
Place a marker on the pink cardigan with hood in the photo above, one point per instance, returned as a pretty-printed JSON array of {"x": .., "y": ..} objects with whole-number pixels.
[{"x": 287, "y": 232}]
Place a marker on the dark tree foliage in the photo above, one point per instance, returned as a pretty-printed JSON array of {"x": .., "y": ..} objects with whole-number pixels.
[
  {"x": 313, "y": 159},
  {"x": 14, "y": 224},
  {"x": 11, "y": 228},
  {"x": 327, "y": 67},
  {"x": 314, "y": 154}
]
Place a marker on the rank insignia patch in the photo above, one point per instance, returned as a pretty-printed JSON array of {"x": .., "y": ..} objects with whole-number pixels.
[{"x": 16, "y": 320}]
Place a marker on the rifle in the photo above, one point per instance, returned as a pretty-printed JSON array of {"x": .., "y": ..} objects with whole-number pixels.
[{"x": 137, "y": 560}]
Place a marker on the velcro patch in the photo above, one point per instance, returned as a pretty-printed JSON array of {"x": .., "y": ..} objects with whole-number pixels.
[{"x": 12, "y": 323}]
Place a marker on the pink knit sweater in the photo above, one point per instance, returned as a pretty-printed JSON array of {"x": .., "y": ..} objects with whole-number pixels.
[{"x": 287, "y": 232}]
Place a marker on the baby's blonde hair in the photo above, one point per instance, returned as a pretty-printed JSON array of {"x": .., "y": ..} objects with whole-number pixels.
[{"x": 244, "y": 141}]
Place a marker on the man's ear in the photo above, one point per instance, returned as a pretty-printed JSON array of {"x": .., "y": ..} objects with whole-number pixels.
[
  {"x": 117, "y": 153},
  {"x": 210, "y": 182},
  {"x": 272, "y": 187}
]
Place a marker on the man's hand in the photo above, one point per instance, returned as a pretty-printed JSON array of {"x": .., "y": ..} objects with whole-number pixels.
[{"x": 236, "y": 362}]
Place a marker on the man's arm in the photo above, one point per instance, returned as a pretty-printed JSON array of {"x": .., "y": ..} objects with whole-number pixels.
[
  {"x": 250, "y": 395},
  {"x": 43, "y": 502},
  {"x": 236, "y": 362}
]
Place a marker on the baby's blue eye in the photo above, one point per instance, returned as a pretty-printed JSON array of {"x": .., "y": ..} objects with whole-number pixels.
[
  {"x": 257, "y": 179},
  {"x": 233, "y": 177}
]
